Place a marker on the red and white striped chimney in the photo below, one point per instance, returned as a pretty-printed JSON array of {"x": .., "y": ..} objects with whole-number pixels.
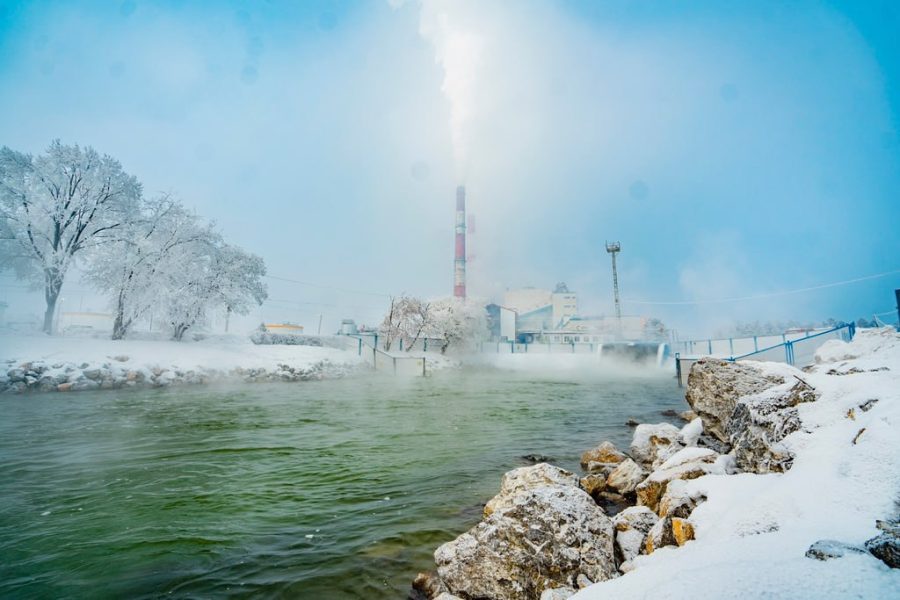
[{"x": 459, "y": 263}]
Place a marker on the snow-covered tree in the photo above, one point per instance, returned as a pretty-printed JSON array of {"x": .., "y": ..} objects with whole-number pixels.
[
  {"x": 56, "y": 207},
  {"x": 457, "y": 322},
  {"x": 212, "y": 274},
  {"x": 406, "y": 320},
  {"x": 136, "y": 268}
]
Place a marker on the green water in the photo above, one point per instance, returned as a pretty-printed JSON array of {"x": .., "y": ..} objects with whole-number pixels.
[{"x": 332, "y": 489}]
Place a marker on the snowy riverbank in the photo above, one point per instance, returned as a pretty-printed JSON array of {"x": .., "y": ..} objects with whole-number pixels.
[
  {"x": 774, "y": 490},
  {"x": 44, "y": 363}
]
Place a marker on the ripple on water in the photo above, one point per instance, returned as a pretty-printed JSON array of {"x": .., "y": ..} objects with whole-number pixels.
[{"x": 322, "y": 489}]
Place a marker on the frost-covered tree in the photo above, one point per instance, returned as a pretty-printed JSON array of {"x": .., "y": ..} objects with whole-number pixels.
[
  {"x": 56, "y": 207},
  {"x": 457, "y": 322},
  {"x": 211, "y": 274},
  {"x": 407, "y": 319},
  {"x": 136, "y": 268}
]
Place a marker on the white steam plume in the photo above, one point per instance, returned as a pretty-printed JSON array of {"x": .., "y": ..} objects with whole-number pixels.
[{"x": 458, "y": 52}]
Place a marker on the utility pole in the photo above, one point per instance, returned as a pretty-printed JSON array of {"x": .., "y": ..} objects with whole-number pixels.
[
  {"x": 320, "y": 325},
  {"x": 614, "y": 248}
]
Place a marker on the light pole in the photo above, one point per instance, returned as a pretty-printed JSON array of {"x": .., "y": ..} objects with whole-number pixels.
[{"x": 614, "y": 248}]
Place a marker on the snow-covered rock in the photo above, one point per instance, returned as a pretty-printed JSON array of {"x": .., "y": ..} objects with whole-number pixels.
[
  {"x": 606, "y": 453},
  {"x": 696, "y": 463},
  {"x": 654, "y": 442},
  {"x": 542, "y": 538},
  {"x": 828, "y": 549},
  {"x": 626, "y": 477},
  {"x": 761, "y": 421},
  {"x": 715, "y": 386},
  {"x": 690, "y": 433},
  {"x": 524, "y": 478},
  {"x": 752, "y": 531},
  {"x": 886, "y": 546},
  {"x": 678, "y": 500},
  {"x": 632, "y": 526},
  {"x": 562, "y": 593}
]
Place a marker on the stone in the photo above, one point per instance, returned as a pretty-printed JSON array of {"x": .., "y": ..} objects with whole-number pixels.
[
  {"x": 690, "y": 433},
  {"x": 603, "y": 468},
  {"x": 676, "y": 501},
  {"x": 604, "y": 453},
  {"x": 593, "y": 483},
  {"x": 827, "y": 549},
  {"x": 682, "y": 530},
  {"x": 561, "y": 593},
  {"x": 760, "y": 422},
  {"x": 542, "y": 538},
  {"x": 16, "y": 375},
  {"x": 886, "y": 546},
  {"x": 446, "y": 596},
  {"x": 626, "y": 477},
  {"x": 651, "y": 490},
  {"x": 632, "y": 526},
  {"x": 64, "y": 387},
  {"x": 526, "y": 478},
  {"x": 687, "y": 416},
  {"x": 582, "y": 581},
  {"x": 651, "y": 442},
  {"x": 426, "y": 586},
  {"x": 660, "y": 535},
  {"x": 715, "y": 386}
]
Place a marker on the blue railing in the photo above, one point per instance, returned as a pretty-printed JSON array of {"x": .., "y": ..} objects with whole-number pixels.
[{"x": 789, "y": 346}]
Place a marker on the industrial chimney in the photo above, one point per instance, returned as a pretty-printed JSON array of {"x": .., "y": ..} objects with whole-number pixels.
[{"x": 459, "y": 263}]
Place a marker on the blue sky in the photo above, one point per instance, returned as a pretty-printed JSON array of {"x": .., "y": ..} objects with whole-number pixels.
[{"x": 733, "y": 148}]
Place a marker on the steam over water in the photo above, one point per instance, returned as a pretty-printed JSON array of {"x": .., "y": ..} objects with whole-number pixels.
[{"x": 329, "y": 489}]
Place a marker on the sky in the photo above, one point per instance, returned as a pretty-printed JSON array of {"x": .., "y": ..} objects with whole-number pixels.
[{"x": 735, "y": 149}]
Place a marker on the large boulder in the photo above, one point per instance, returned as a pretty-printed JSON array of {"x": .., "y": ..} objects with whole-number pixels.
[
  {"x": 761, "y": 421},
  {"x": 715, "y": 386},
  {"x": 526, "y": 478},
  {"x": 632, "y": 526},
  {"x": 626, "y": 477},
  {"x": 540, "y": 538},
  {"x": 654, "y": 443}
]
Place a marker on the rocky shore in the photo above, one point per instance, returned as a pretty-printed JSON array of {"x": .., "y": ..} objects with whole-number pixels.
[
  {"x": 39, "y": 376},
  {"x": 44, "y": 364},
  {"x": 760, "y": 476}
]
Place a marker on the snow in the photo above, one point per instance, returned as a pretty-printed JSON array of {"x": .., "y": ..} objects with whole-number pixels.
[
  {"x": 221, "y": 353},
  {"x": 753, "y": 531}
]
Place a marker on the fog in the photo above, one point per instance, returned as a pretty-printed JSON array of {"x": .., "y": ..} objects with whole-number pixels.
[{"x": 734, "y": 151}]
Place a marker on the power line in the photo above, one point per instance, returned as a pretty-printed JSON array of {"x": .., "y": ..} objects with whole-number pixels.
[
  {"x": 767, "y": 295},
  {"x": 327, "y": 287}
]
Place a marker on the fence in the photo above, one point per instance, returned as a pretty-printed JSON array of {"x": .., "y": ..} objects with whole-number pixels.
[
  {"x": 794, "y": 349},
  {"x": 410, "y": 366}
]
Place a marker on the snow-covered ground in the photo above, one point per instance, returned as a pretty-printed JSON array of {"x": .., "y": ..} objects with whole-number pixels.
[
  {"x": 67, "y": 359},
  {"x": 753, "y": 530}
]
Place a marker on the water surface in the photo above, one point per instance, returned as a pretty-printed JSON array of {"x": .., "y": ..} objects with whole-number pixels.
[{"x": 332, "y": 489}]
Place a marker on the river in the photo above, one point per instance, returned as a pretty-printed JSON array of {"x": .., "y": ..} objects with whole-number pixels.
[{"x": 329, "y": 489}]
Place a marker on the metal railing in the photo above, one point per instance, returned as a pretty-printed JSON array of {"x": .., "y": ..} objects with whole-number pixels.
[
  {"x": 798, "y": 351},
  {"x": 807, "y": 349},
  {"x": 385, "y": 361}
]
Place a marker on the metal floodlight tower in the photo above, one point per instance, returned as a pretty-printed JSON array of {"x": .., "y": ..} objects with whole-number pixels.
[{"x": 614, "y": 248}]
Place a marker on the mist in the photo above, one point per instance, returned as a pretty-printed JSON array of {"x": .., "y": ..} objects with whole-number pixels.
[{"x": 732, "y": 151}]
